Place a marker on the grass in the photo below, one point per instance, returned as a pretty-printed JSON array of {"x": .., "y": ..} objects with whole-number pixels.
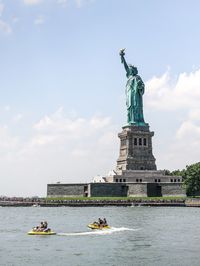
[{"x": 114, "y": 198}]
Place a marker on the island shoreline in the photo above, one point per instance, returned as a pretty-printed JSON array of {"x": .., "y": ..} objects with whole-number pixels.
[{"x": 187, "y": 202}]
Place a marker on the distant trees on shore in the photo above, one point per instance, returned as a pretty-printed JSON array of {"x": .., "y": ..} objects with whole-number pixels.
[{"x": 191, "y": 178}]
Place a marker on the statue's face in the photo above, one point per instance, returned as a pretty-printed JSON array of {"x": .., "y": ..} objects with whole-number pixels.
[{"x": 133, "y": 70}]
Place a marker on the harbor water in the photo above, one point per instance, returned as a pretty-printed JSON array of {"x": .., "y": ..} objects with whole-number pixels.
[{"x": 139, "y": 236}]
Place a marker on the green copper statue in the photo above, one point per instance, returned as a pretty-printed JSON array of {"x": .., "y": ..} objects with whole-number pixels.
[{"x": 134, "y": 92}]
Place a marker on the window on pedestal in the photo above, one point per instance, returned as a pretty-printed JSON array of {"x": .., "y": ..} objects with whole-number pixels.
[
  {"x": 145, "y": 142},
  {"x": 140, "y": 142}
]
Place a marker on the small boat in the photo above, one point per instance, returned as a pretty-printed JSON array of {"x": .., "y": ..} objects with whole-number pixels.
[
  {"x": 97, "y": 226},
  {"x": 49, "y": 233}
]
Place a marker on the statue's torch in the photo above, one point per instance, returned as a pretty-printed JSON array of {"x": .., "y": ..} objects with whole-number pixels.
[{"x": 122, "y": 53}]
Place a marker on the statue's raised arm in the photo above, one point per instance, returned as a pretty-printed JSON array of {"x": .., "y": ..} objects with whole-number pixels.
[{"x": 123, "y": 61}]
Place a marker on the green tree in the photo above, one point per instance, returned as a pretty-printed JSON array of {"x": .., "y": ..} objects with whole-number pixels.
[
  {"x": 167, "y": 172},
  {"x": 191, "y": 177},
  {"x": 175, "y": 172},
  {"x": 178, "y": 173}
]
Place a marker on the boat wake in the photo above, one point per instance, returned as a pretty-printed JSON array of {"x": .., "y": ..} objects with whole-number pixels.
[{"x": 99, "y": 232}]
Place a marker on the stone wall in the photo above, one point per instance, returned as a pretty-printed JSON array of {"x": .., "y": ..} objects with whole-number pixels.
[
  {"x": 107, "y": 190},
  {"x": 115, "y": 190},
  {"x": 66, "y": 190},
  {"x": 172, "y": 189},
  {"x": 155, "y": 189},
  {"x": 139, "y": 190}
]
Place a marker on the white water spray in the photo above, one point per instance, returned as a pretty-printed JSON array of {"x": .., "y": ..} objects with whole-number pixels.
[{"x": 99, "y": 232}]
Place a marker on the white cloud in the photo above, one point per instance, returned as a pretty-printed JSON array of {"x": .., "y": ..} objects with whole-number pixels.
[
  {"x": 188, "y": 134},
  {"x": 63, "y": 3},
  {"x": 39, "y": 20},
  {"x": 58, "y": 124},
  {"x": 76, "y": 149},
  {"x": 58, "y": 130},
  {"x": 184, "y": 147},
  {"x": 79, "y": 153},
  {"x": 170, "y": 97},
  {"x": 1, "y": 8},
  {"x": 32, "y": 2},
  {"x": 194, "y": 114},
  {"x": 8, "y": 143},
  {"x": 188, "y": 130},
  {"x": 5, "y": 27},
  {"x": 7, "y": 108},
  {"x": 164, "y": 93},
  {"x": 41, "y": 140},
  {"x": 17, "y": 118},
  {"x": 15, "y": 19},
  {"x": 98, "y": 122},
  {"x": 80, "y": 3}
]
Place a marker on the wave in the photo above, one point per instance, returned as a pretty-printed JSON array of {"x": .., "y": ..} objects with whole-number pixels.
[{"x": 99, "y": 232}]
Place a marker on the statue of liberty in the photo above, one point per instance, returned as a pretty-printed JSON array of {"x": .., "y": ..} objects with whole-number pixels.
[{"x": 134, "y": 92}]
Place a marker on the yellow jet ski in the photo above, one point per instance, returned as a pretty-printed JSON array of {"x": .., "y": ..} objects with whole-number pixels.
[
  {"x": 97, "y": 226},
  {"x": 48, "y": 233}
]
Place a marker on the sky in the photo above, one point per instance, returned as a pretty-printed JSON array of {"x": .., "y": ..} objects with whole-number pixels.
[{"x": 62, "y": 86}]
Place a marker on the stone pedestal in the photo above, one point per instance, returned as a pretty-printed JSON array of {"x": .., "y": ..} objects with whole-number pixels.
[{"x": 136, "y": 149}]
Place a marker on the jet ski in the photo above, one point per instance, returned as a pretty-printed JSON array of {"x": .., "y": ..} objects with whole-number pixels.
[
  {"x": 98, "y": 227},
  {"x": 48, "y": 233}
]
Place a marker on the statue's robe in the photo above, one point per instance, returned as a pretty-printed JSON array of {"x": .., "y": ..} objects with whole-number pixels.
[{"x": 134, "y": 92}]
